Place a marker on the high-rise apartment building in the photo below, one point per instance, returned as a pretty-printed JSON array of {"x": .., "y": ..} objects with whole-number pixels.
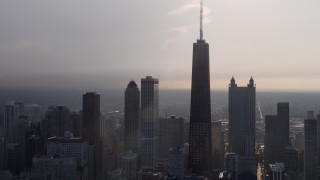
[
  {"x": 91, "y": 117},
  {"x": 56, "y": 120},
  {"x": 3, "y": 154},
  {"x": 129, "y": 165},
  {"x": 69, "y": 146},
  {"x": 277, "y": 170},
  {"x": 310, "y": 153},
  {"x": 33, "y": 147},
  {"x": 277, "y": 134},
  {"x": 11, "y": 116},
  {"x": 64, "y": 168},
  {"x": 1, "y": 125},
  {"x": 231, "y": 164},
  {"x": 20, "y": 135},
  {"x": 283, "y": 116},
  {"x": 131, "y": 117},
  {"x": 217, "y": 145},
  {"x": 200, "y": 145},
  {"x": 149, "y": 148},
  {"x": 91, "y": 132},
  {"x": 176, "y": 163},
  {"x": 15, "y": 163},
  {"x": 299, "y": 141},
  {"x": 318, "y": 139},
  {"x": 76, "y": 120},
  {"x": 170, "y": 136},
  {"x": 242, "y": 120},
  {"x": 33, "y": 111},
  {"x": 318, "y": 131},
  {"x": 291, "y": 158}
]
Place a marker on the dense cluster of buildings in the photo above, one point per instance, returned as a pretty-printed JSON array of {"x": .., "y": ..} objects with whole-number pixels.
[{"x": 89, "y": 145}]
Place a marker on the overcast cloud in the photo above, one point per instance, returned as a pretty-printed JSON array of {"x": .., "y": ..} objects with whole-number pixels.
[{"x": 78, "y": 43}]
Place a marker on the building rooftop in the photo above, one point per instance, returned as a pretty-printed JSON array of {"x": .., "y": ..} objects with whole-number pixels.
[{"x": 66, "y": 140}]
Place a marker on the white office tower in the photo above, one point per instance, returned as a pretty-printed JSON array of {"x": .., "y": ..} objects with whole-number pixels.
[{"x": 149, "y": 134}]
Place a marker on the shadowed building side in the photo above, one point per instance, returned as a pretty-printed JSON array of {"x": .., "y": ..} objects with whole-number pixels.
[
  {"x": 91, "y": 132},
  {"x": 131, "y": 117},
  {"x": 242, "y": 123},
  {"x": 149, "y": 122},
  {"x": 200, "y": 144},
  {"x": 200, "y": 147}
]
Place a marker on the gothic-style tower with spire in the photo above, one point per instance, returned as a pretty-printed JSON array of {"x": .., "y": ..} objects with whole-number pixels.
[{"x": 200, "y": 157}]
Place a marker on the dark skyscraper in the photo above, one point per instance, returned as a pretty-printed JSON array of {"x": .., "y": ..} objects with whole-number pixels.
[
  {"x": 310, "y": 154},
  {"x": 200, "y": 147},
  {"x": 33, "y": 147},
  {"x": 91, "y": 117},
  {"x": 11, "y": 117},
  {"x": 55, "y": 121},
  {"x": 242, "y": 104},
  {"x": 170, "y": 135},
  {"x": 149, "y": 122},
  {"x": 277, "y": 134},
  {"x": 242, "y": 123},
  {"x": 76, "y": 121},
  {"x": 91, "y": 132},
  {"x": 283, "y": 115},
  {"x": 131, "y": 117},
  {"x": 15, "y": 164},
  {"x": 217, "y": 145},
  {"x": 3, "y": 154}
]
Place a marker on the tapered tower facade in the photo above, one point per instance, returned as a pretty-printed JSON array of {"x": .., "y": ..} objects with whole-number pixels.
[
  {"x": 200, "y": 147},
  {"x": 131, "y": 117}
]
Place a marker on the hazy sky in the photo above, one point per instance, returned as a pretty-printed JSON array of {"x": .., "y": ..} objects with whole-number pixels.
[{"x": 77, "y": 43}]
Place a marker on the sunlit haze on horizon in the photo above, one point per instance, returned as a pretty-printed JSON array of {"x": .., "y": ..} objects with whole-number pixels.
[{"x": 86, "y": 44}]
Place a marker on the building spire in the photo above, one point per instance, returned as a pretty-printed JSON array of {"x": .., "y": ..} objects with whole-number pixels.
[{"x": 201, "y": 19}]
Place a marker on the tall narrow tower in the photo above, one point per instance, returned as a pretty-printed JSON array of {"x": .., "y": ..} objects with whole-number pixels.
[
  {"x": 310, "y": 154},
  {"x": 242, "y": 124},
  {"x": 149, "y": 144},
  {"x": 200, "y": 147},
  {"x": 91, "y": 132},
  {"x": 131, "y": 117},
  {"x": 277, "y": 134}
]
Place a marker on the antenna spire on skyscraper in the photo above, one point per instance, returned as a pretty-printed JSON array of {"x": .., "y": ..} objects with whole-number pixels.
[{"x": 201, "y": 18}]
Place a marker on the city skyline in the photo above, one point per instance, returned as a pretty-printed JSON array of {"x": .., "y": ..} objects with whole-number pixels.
[
  {"x": 82, "y": 44},
  {"x": 86, "y": 46}
]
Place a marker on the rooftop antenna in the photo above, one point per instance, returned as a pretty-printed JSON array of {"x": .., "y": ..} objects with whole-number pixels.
[{"x": 201, "y": 18}]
